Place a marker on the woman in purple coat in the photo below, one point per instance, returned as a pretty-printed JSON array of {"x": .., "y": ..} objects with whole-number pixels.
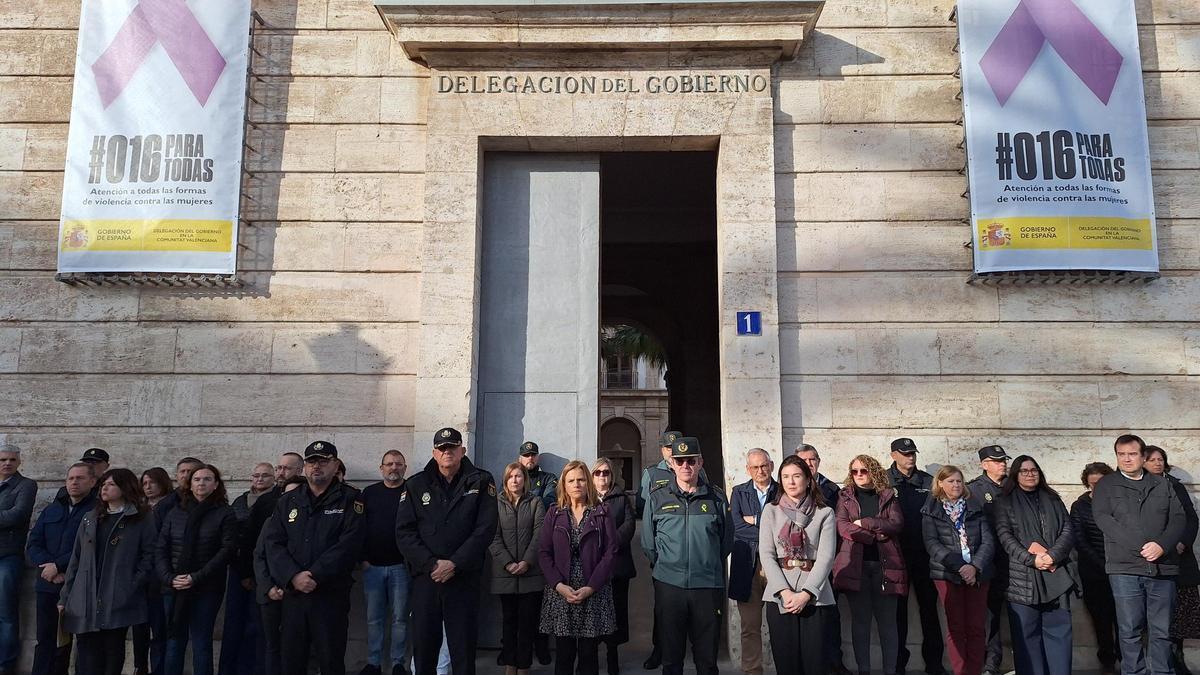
[{"x": 577, "y": 549}]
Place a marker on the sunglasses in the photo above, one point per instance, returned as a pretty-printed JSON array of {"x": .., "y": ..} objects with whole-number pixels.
[
  {"x": 860, "y": 472},
  {"x": 601, "y": 473},
  {"x": 682, "y": 461}
]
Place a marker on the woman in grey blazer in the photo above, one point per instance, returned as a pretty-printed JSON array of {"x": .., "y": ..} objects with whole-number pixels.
[
  {"x": 104, "y": 592},
  {"x": 797, "y": 540},
  {"x": 515, "y": 574}
]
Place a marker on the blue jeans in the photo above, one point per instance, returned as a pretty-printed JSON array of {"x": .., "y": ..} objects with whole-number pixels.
[
  {"x": 386, "y": 587},
  {"x": 11, "y": 568},
  {"x": 240, "y": 654},
  {"x": 197, "y": 627},
  {"x": 1144, "y": 603},
  {"x": 1041, "y": 636}
]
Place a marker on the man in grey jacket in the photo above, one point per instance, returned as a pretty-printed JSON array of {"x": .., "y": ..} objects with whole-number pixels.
[
  {"x": 16, "y": 509},
  {"x": 1142, "y": 521}
]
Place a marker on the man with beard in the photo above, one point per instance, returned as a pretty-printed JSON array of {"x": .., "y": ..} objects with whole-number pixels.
[{"x": 385, "y": 577}]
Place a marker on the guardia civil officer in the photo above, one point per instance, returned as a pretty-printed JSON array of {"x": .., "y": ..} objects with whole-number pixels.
[
  {"x": 542, "y": 484},
  {"x": 444, "y": 525},
  {"x": 913, "y": 488},
  {"x": 311, "y": 545},
  {"x": 656, "y": 475},
  {"x": 687, "y": 532}
]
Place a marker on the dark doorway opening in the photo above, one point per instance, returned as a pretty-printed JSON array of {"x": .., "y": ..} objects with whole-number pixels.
[{"x": 658, "y": 274}]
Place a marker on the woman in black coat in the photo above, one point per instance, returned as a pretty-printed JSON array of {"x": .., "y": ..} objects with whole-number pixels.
[
  {"x": 104, "y": 591},
  {"x": 961, "y": 547},
  {"x": 1097, "y": 593},
  {"x": 613, "y": 497},
  {"x": 1033, "y": 527},
  {"x": 1185, "y": 624},
  {"x": 195, "y": 546}
]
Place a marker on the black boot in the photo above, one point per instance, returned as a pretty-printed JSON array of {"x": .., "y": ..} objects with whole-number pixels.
[
  {"x": 654, "y": 660},
  {"x": 614, "y": 662},
  {"x": 1177, "y": 661}
]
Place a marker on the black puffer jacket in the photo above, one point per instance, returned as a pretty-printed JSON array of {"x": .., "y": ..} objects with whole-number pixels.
[
  {"x": 942, "y": 543},
  {"x": 1024, "y": 581},
  {"x": 1189, "y": 571},
  {"x": 1089, "y": 540},
  {"x": 215, "y": 546}
]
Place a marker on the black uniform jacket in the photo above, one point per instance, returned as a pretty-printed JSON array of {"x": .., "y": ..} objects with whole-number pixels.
[
  {"x": 440, "y": 521},
  {"x": 323, "y": 535}
]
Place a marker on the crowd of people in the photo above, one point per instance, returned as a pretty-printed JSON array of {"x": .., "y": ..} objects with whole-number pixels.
[{"x": 117, "y": 553}]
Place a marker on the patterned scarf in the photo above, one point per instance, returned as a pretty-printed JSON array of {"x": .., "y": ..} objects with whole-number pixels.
[
  {"x": 957, "y": 511},
  {"x": 792, "y": 536}
]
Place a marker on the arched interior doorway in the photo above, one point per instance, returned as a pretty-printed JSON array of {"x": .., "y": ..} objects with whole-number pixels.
[{"x": 621, "y": 443}]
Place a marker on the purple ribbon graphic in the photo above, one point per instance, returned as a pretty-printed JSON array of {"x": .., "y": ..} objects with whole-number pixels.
[
  {"x": 1078, "y": 42},
  {"x": 151, "y": 22}
]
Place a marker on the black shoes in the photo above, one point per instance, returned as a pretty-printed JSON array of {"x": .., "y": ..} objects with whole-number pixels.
[
  {"x": 370, "y": 670},
  {"x": 654, "y": 660},
  {"x": 541, "y": 649}
]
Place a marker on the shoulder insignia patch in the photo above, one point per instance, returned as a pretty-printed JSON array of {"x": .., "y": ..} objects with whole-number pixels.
[
  {"x": 358, "y": 507},
  {"x": 425, "y": 499},
  {"x": 492, "y": 490},
  {"x": 987, "y": 496}
]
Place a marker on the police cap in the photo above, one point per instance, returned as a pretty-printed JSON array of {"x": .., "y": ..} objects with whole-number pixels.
[
  {"x": 93, "y": 455},
  {"x": 993, "y": 452},
  {"x": 529, "y": 448},
  {"x": 685, "y": 446},
  {"x": 320, "y": 450},
  {"x": 446, "y": 436},
  {"x": 904, "y": 446},
  {"x": 668, "y": 438}
]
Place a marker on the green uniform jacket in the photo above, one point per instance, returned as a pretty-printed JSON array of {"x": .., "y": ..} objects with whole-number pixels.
[{"x": 688, "y": 536}]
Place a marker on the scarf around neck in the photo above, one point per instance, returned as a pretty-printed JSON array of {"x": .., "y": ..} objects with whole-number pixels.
[
  {"x": 956, "y": 509},
  {"x": 793, "y": 536}
]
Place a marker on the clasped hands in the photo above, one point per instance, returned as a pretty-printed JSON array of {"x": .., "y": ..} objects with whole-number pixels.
[
  {"x": 574, "y": 596},
  {"x": 517, "y": 568}
]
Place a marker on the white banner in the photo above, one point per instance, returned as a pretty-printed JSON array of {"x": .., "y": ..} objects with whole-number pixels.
[
  {"x": 1058, "y": 159},
  {"x": 153, "y": 174}
]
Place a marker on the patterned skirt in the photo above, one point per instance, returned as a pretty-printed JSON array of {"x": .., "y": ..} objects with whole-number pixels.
[
  {"x": 1186, "y": 623},
  {"x": 595, "y": 617}
]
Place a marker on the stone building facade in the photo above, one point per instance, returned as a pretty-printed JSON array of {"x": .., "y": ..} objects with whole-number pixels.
[{"x": 357, "y": 319}]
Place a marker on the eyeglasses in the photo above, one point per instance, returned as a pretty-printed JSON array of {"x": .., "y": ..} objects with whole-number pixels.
[
  {"x": 860, "y": 472},
  {"x": 602, "y": 473},
  {"x": 1029, "y": 472},
  {"x": 682, "y": 461},
  {"x": 256, "y": 476}
]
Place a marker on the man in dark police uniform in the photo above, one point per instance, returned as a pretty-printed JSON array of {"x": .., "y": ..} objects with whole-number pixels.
[
  {"x": 312, "y": 545},
  {"x": 444, "y": 525}
]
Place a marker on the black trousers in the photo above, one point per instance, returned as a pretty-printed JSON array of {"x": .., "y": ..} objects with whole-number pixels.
[
  {"x": 797, "y": 640},
  {"x": 454, "y": 604},
  {"x": 833, "y": 632},
  {"x": 519, "y": 621},
  {"x": 688, "y": 614},
  {"x": 272, "y": 624},
  {"x": 995, "y": 611},
  {"x": 317, "y": 621},
  {"x": 48, "y": 657},
  {"x": 621, "y": 605},
  {"x": 1098, "y": 598},
  {"x": 576, "y": 651},
  {"x": 933, "y": 646},
  {"x": 101, "y": 652}
]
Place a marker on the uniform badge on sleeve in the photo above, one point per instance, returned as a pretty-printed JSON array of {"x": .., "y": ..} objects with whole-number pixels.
[
  {"x": 987, "y": 496},
  {"x": 425, "y": 499},
  {"x": 358, "y": 508},
  {"x": 292, "y": 515},
  {"x": 492, "y": 490}
]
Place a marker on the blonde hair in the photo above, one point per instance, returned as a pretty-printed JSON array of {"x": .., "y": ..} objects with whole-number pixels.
[
  {"x": 947, "y": 470},
  {"x": 614, "y": 482},
  {"x": 592, "y": 498},
  {"x": 879, "y": 479},
  {"x": 524, "y": 482}
]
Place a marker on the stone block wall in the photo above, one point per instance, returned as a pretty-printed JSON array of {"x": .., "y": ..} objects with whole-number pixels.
[{"x": 880, "y": 334}]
